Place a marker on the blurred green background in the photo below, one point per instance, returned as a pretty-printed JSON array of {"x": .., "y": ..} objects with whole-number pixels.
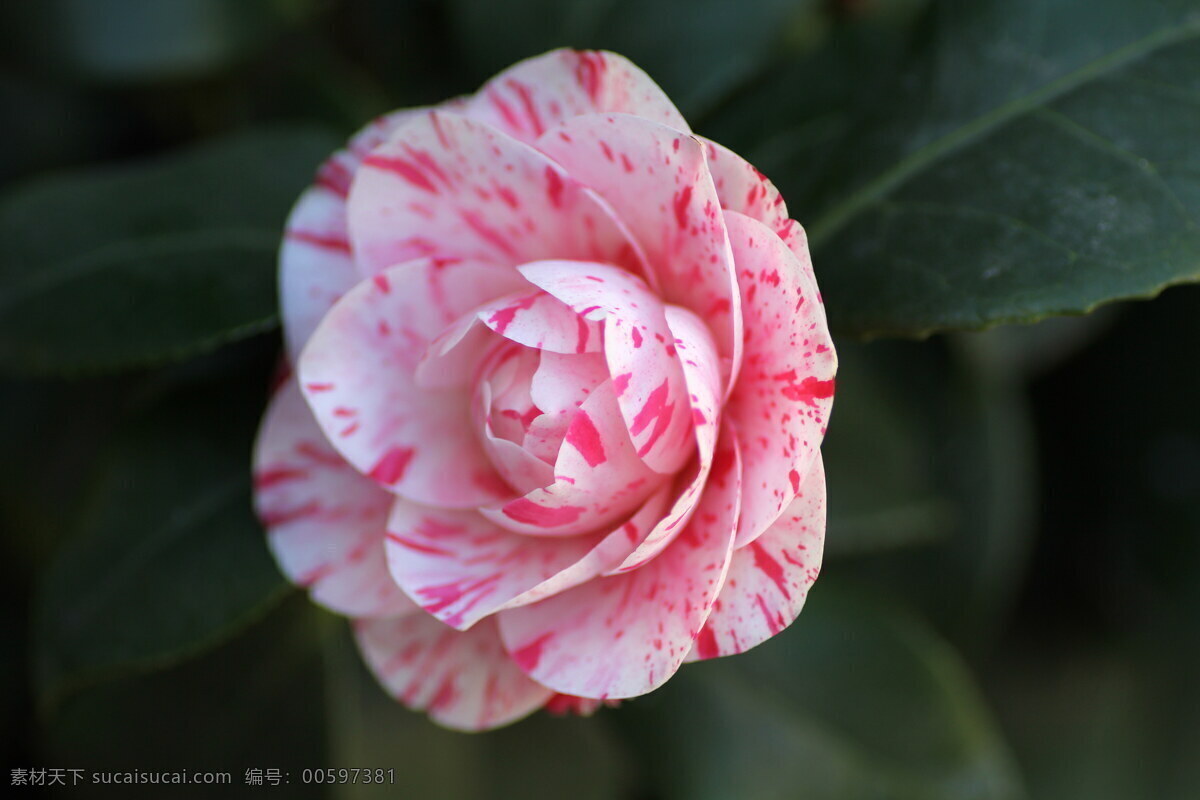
[{"x": 1010, "y": 606}]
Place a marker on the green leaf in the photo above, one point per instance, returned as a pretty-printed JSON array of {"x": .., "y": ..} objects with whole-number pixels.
[
  {"x": 854, "y": 701},
  {"x": 143, "y": 40},
  {"x": 130, "y": 265},
  {"x": 540, "y": 758},
  {"x": 738, "y": 40},
  {"x": 254, "y": 703},
  {"x": 937, "y": 421},
  {"x": 884, "y": 491},
  {"x": 169, "y": 558},
  {"x": 1038, "y": 158}
]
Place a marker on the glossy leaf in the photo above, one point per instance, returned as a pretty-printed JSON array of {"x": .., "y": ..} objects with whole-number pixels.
[
  {"x": 855, "y": 701},
  {"x": 169, "y": 558},
  {"x": 129, "y": 265},
  {"x": 251, "y": 704},
  {"x": 1037, "y": 158}
]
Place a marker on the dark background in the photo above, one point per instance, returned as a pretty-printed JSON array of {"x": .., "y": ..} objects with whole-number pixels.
[{"x": 1010, "y": 605}]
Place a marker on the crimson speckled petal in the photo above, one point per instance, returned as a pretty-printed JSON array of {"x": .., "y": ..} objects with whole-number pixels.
[
  {"x": 657, "y": 180},
  {"x": 625, "y": 635},
  {"x": 598, "y": 476},
  {"x": 785, "y": 390},
  {"x": 639, "y": 349},
  {"x": 697, "y": 353},
  {"x": 325, "y": 522},
  {"x": 530, "y": 97},
  {"x": 357, "y": 374},
  {"x": 464, "y": 680},
  {"x": 768, "y": 580},
  {"x": 450, "y": 187},
  {"x": 538, "y": 320},
  {"x": 316, "y": 266}
]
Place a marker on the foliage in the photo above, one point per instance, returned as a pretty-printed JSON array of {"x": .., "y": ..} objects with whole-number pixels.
[{"x": 1009, "y": 603}]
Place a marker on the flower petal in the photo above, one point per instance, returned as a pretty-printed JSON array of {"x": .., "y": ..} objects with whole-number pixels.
[
  {"x": 315, "y": 264},
  {"x": 325, "y": 522},
  {"x": 450, "y": 187},
  {"x": 784, "y": 393},
  {"x": 460, "y": 567},
  {"x": 625, "y": 635},
  {"x": 357, "y": 375},
  {"x": 769, "y": 579},
  {"x": 598, "y": 477},
  {"x": 464, "y": 680},
  {"x": 702, "y": 372},
  {"x": 536, "y": 319},
  {"x": 657, "y": 181},
  {"x": 639, "y": 349},
  {"x": 536, "y": 94}
]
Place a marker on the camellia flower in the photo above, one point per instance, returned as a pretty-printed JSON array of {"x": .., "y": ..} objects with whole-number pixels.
[{"x": 560, "y": 374}]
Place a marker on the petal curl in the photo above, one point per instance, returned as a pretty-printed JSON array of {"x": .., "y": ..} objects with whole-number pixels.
[
  {"x": 357, "y": 375},
  {"x": 769, "y": 579},
  {"x": 325, "y": 522},
  {"x": 657, "y": 181},
  {"x": 538, "y": 93},
  {"x": 464, "y": 680},
  {"x": 536, "y": 319},
  {"x": 598, "y": 477},
  {"x": 625, "y": 635},
  {"x": 460, "y": 567},
  {"x": 315, "y": 264},
  {"x": 639, "y": 349},
  {"x": 702, "y": 372},
  {"x": 450, "y": 187},
  {"x": 784, "y": 393}
]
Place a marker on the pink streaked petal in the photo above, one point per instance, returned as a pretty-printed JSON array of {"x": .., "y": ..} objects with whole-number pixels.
[
  {"x": 657, "y": 180},
  {"x": 769, "y": 579},
  {"x": 315, "y": 264},
  {"x": 461, "y": 568},
  {"x": 325, "y": 522},
  {"x": 520, "y": 468},
  {"x": 357, "y": 375},
  {"x": 742, "y": 188},
  {"x": 702, "y": 371},
  {"x": 625, "y": 635},
  {"x": 464, "y": 680},
  {"x": 453, "y": 358},
  {"x": 784, "y": 394},
  {"x": 639, "y": 349},
  {"x": 560, "y": 385},
  {"x": 536, "y": 319},
  {"x": 598, "y": 477},
  {"x": 538, "y": 93},
  {"x": 450, "y": 187}
]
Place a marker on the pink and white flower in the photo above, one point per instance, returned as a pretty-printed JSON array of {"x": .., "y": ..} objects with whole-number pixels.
[{"x": 560, "y": 375}]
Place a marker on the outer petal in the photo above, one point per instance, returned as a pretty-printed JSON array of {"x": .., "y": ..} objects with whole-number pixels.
[
  {"x": 599, "y": 477},
  {"x": 702, "y": 371},
  {"x": 536, "y": 94},
  {"x": 464, "y": 680},
  {"x": 742, "y": 188},
  {"x": 315, "y": 265},
  {"x": 460, "y": 567},
  {"x": 769, "y": 579},
  {"x": 624, "y": 636},
  {"x": 325, "y": 522},
  {"x": 657, "y": 181},
  {"x": 784, "y": 394},
  {"x": 357, "y": 374},
  {"x": 639, "y": 348},
  {"x": 450, "y": 187}
]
